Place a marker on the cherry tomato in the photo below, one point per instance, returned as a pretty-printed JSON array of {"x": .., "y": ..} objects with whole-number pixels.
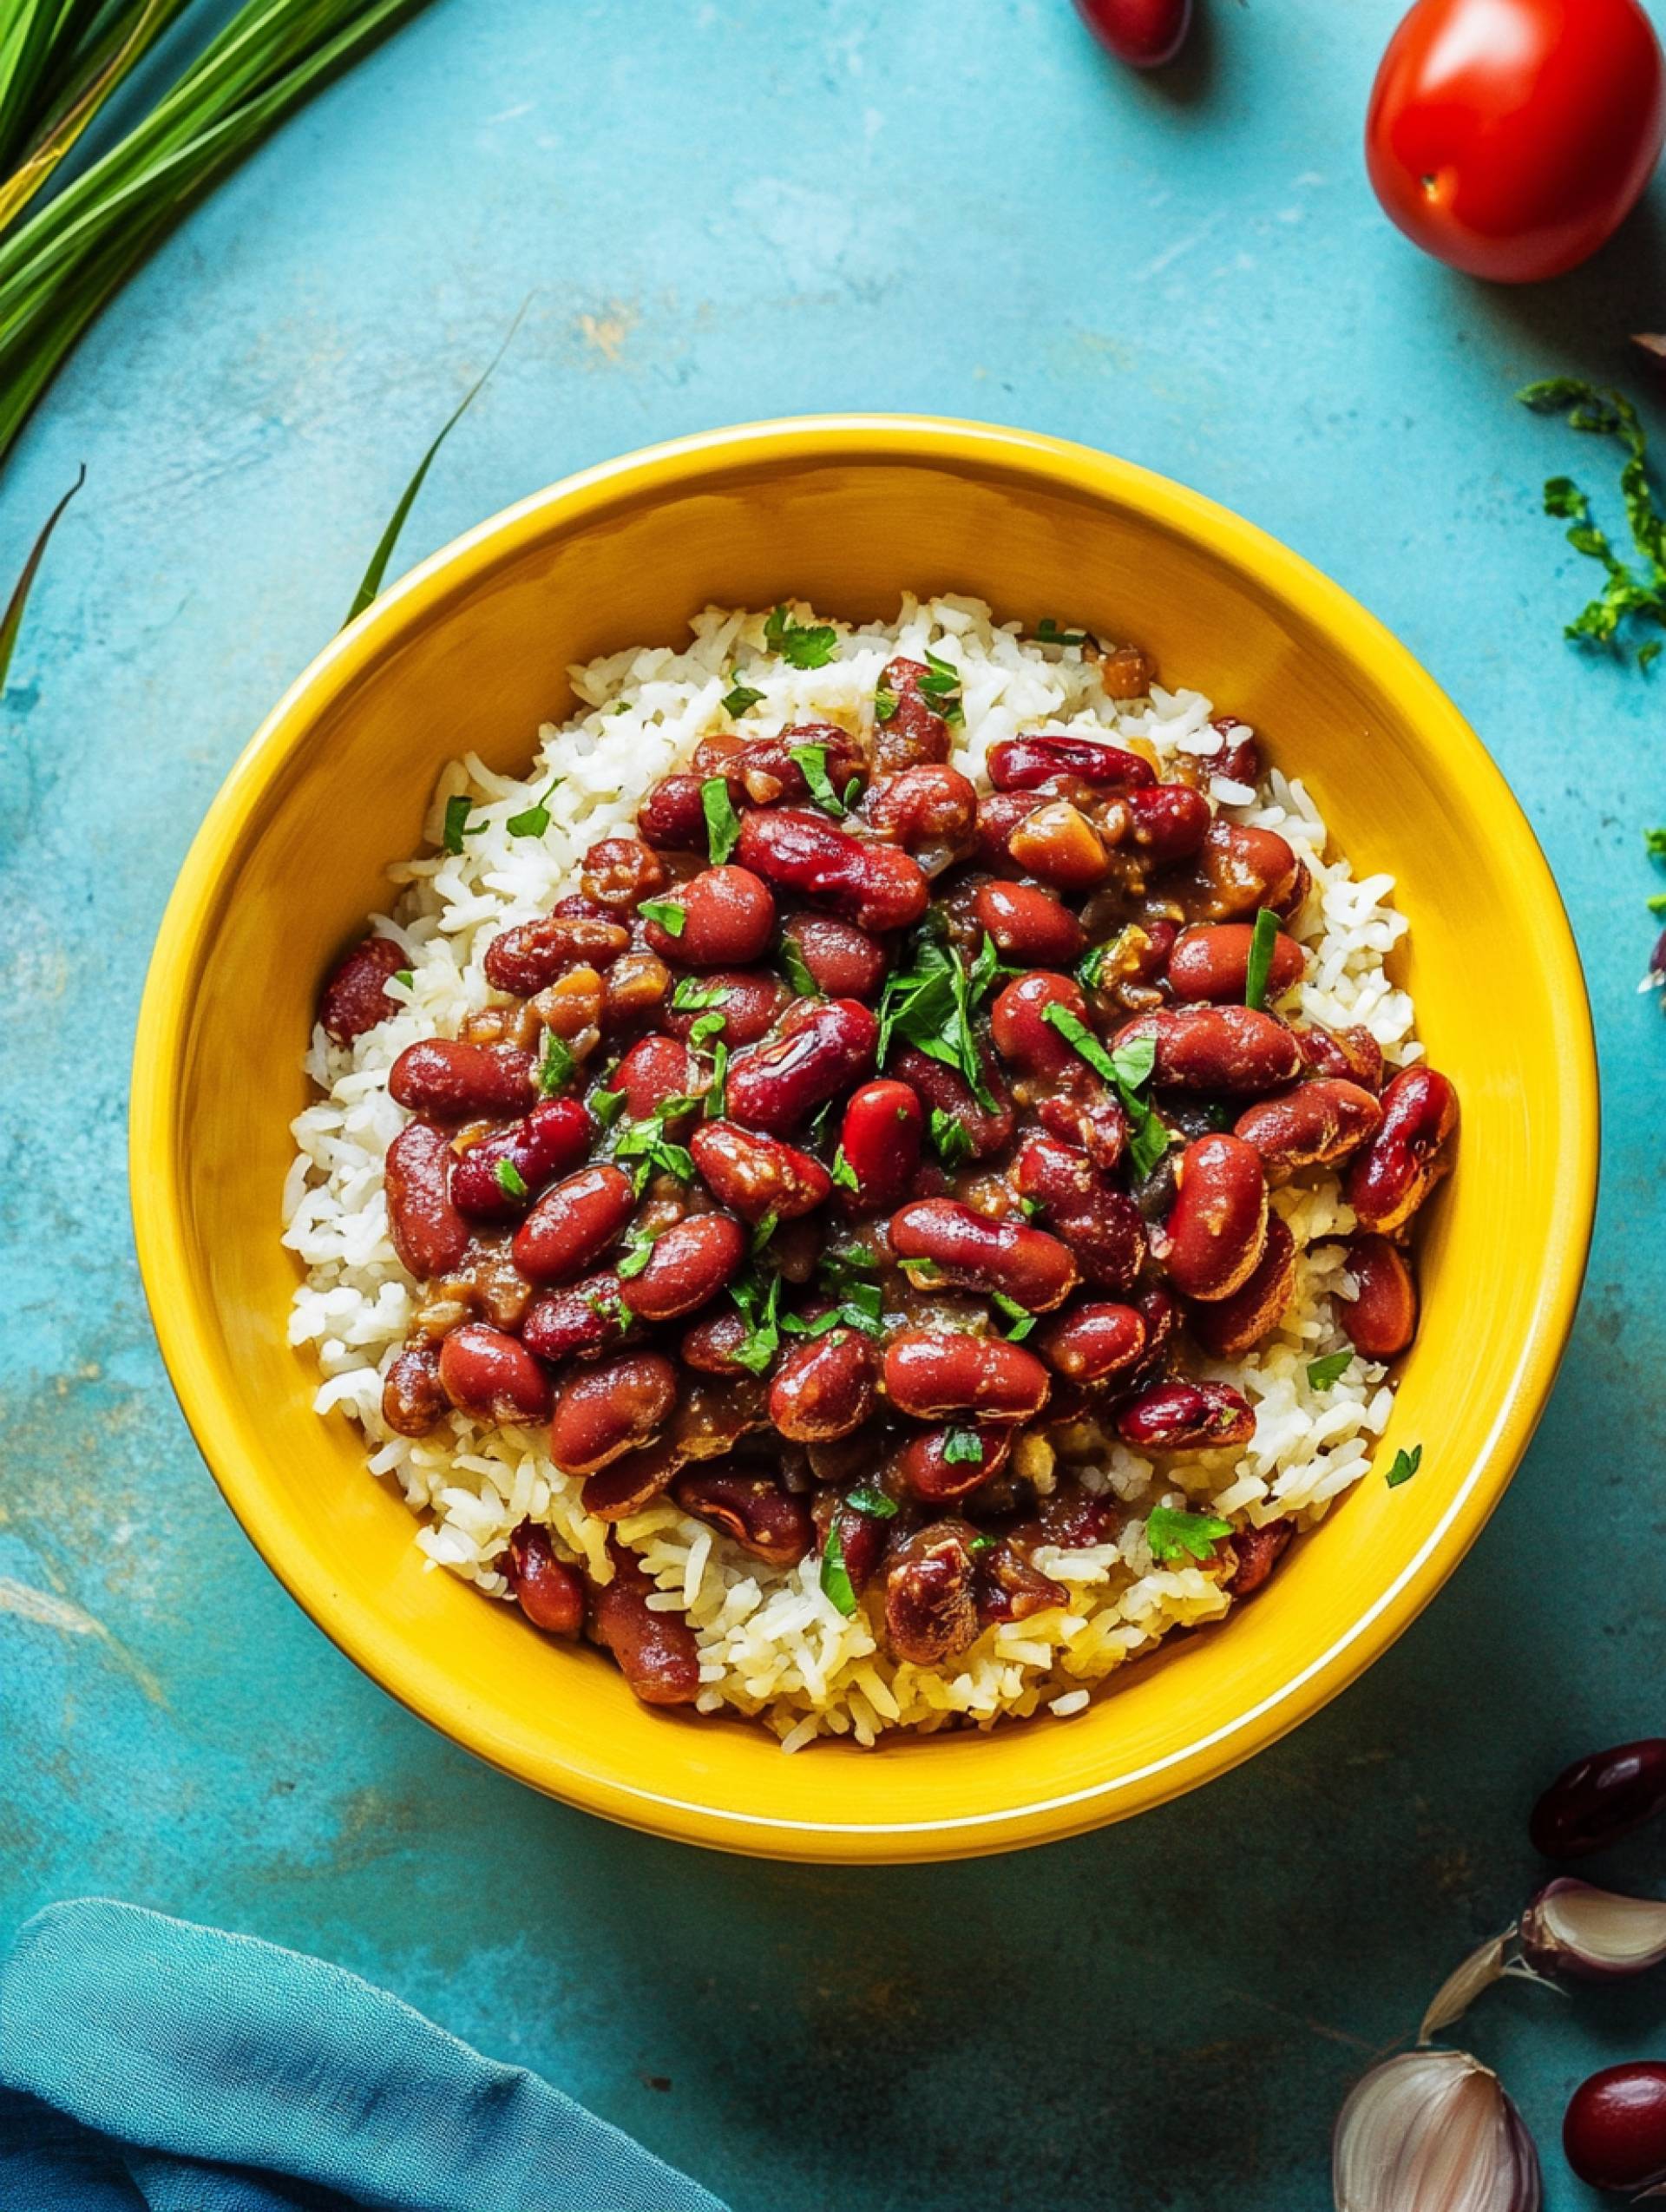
[
  {"x": 1511, "y": 138},
  {"x": 1144, "y": 32}
]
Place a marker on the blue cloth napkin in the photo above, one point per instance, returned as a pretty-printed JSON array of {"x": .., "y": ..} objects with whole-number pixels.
[{"x": 148, "y": 2065}]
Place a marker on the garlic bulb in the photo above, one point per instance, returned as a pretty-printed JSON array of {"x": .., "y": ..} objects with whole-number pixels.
[
  {"x": 1588, "y": 1934},
  {"x": 1433, "y": 2131}
]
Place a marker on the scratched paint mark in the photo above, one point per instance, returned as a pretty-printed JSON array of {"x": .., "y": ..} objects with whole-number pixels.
[
  {"x": 608, "y": 331},
  {"x": 1172, "y": 253},
  {"x": 24, "y": 1602},
  {"x": 1300, "y": 2020}
]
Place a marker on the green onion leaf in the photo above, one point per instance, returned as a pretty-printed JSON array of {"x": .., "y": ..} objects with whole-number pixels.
[
  {"x": 671, "y": 917},
  {"x": 800, "y": 645},
  {"x": 535, "y": 820},
  {"x": 1263, "y": 938},
  {"x": 735, "y": 703},
  {"x": 722, "y": 823},
  {"x": 1404, "y": 1466},
  {"x": 509, "y": 1179},
  {"x": 836, "y": 1585},
  {"x": 12, "y": 620},
  {"x": 1172, "y": 1534},
  {"x": 555, "y": 1064},
  {"x": 1022, "y": 1320},
  {"x": 962, "y": 1447},
  {"x": 1047, "y": 632},
  {"x": 812, "y": 759},
  {"x": 1323, "y": 1373},
  {"x": 874, "y": 1503}
]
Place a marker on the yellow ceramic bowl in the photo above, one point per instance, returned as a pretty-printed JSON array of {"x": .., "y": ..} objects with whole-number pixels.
[{"x": 471, "y": 650}]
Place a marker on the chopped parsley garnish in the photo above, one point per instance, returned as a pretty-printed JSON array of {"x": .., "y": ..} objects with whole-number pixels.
[
  {"x": 1047, "y": 632},
  {"x": 457, "y": 824},
  {"x": 691, "y": 996},
  {"x": 404, "y": 975},
  {"x": 845, "y": 1316},
  {"x": 535, "y": 820},
  {"x": 736, "y": 702},
  {"x": 949, "y": 1137},
  {"x": 842, "y": 1171},
  {"x": 638, "y": 1252},
  {"x": 932, "y": 1005},
  {"x": 757, "y": 1306},
  {"x": 717, "y": 1094},
  {"x": 812, "y": 759},
  {"x": 1323, "y": 1373},
  {"x": 646, "y": 1143},
  {"x": 1173, "y": 1535},
  {"x": 555, "y": 1064},
  {"x": 764, "y": 1230},
  {"x": 885, "y": 705},
  {"x": 803, "y": 983},
  {"x": 874, "y": 1503},
  {"x": 1128, "y": 1068},
  {"x": 979, "y": 1546},
  {"x": 836, "y": 1585},
  {"x": 850, "y": 1277},
  {"x": 1022, "y": 1320},
  {"x": 509, "y": 1179},
  {"x": 722, "y": 823},
  {"x": 670, "y": 916},
  {"x": 607, "y": 1106},
  {"x": 1404, "y": 1466},
  {"x": 801, "y": 645},
  {"x": 1263, "y": 938},
  {"x": 609, "y": 1308},
  {"x": 962, "y": 1447},
  {"x": 942, "y": 685},
  {"x": 708, "y": 1026},
  {"x": 1627, "y": 596}
]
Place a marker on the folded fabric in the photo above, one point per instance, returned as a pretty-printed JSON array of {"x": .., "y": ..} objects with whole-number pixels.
[{"x": 148, "y": 2065}]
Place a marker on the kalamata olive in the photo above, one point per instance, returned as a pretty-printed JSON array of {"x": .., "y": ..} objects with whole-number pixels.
[
  {"x": 656, "y": 1651},
  {"x": 1142, "y": 33},
  {"x": 355, "y": 998},
  {"x": 723, "y": 917},
  {"x": 1211, "y": 963},
  {"x": 1614, "y": 2132},
  {"x": 486, "y": 1372},
  {"x": 844, "y": 963},
  {"x": 881, "y": 1136},
  {"x": 549, "y": 1592},
  {"x": 1601, "y": 1798},
  {"x": 498, "y": 1178}
]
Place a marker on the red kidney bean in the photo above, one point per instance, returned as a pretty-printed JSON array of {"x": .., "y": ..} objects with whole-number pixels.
[
  {"x": 492, "y": 1375},
  {"x": 925, "y": 1467},
  {"x": 1059, "y": 844},
  {"x": 657, "y": 1653},
  {"x": 1169, "y": 822},
  {"x": 355, "y": 999},
  {"x": 930, "y": 1372},
  {"x": 1319, "y": 1122},
  {"x": 844, "y": 963},
  {"x": 1093, "y": 1340},
  {"x": 606, "y": 1411},
  {"x": 1212, "y": 961},
  {"x": 863, "y": 1537},
  {"x": 1407, "y": 1157},
  {"x": 574, "y": 1222},
  {"x": 459, "y": 1082},
  {"x": 776, "y": 1086},
  {"x": 1089, "y": 1118},
  {"x": 752, "y": 1002},
  {"x": 913, "y": 731},
  {"x": 999, "y": 816},
  {"x": 1025, "y": 1036},
  {"x": 761, "y": 1517},
  {"x": 930, "y": 1610},
  {"x": 1239, "y": 759},
  {"x": 1353, "y": 1053},
  {"x": 728, "y": 919},
  {"x": 673, "y": 816},
  {"x": 1614, "y": 2132},
  {"x": 527, "y": 958},
  {"x": 931, "y": 812},
  {"x": 1601, "y": 1799},
  {"x": 631, "y": 1483},
  {"x": 989, "y": 1130},
  {"x": 1186, "y": 1417},
  {"x": 634, "y": 989},
  {"x": 1231, "y": 1048},
  {"x": 825, "y": 1388},
  {"x": 655, "y": 1069},
  {"x": 688, "y": 1263},
  {"x": 1101, "y": 1224},
  {"x": 712, "y": 1346},
  {"x": 620, "y": 872},
  {"x": 1029, "y": 925},
  {"x": 413, "y": 1398},
  {"x": 1239, "y": 868},
  {"x": 548, "y": 1592},
  {"x": 881, "y": 1136},
  {"x": 754, "y": 1176},
  {"x": 762, "y": 770},
  {"x": 1009, "y": 1588},
  {"x": 876, "y": 886},
  {"x": 1216, "y": 1229},
  {"x": 548, "y": 1142},
  {"x": 428, "y": 1233},
  {"x": 1256, "y": 1552},
  {"x": 1009, "y": 1258},
  {"x": 1027, "y": 764},
  {"x": 1382, "y": 1319},
  {"x": 586, "y": 1317},
  {"x": 1228, "y": 1328}
]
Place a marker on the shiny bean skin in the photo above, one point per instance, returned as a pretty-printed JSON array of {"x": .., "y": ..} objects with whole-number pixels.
[
  {"x": 1027, "y": 764},
  {"x": 631, "y": 1483},
  {"x": 728, "y": 921},
  {"x": 989, "y": 1130},
  {"x": 574, "y": 1222},
  {"x": 882, "y": 1136},
  {"x": 826, "y": 1388},
  {"x": 844, "y": 963},
  {"x": 604, "y": 1412},
  {"x": 1009, "y": 1588},
  {"x": 1256, "y": 1552},
  {"x": 926, "y": 1468},
  {"x": 1022, "y": 1033},
  {"x": 1060, "y": 844},
  {"x": 930, "y": 1610},
  {"x": 1231, "y": 1048},
  {"x": 762, "y": 1518},
  {"x": 586, "y": 1317},
  {"x": 1315, "y": 1124},
  {"x": 527, "y": 958},
  {"x": 1093, "y": 1340},
  {"x": 1186, "y": 1417},
  {"x": 968, "y": 1249},
  {"x": 876, "y": 886},
  {"x": 752, "y": 1175},
  {"x": 999, "y": 816},
  {"x": 1239, "y": 869},
  {"x": 712, "y": 1346},
  {"x": 619, "y": 873},
  {"x": 1169, "y": 822},
  {"x": 914, "y": 733},
  {"x": 656, "y": 1651},
  {"x": 429, "y": 1233},
  {"x": 655, "y": 1068},
  {"x": 1211, "y": 963},
  {"x": 413, "y": 1397},
  {"x": 634, "y": 990},
  {"x": 775, "y": 1086},
  {"x": 1381, "y": 1320},
  {"x": 673, "y": 816},
  {"x": 762, "y": 770},
  {"x": 1090, "y": 1119},
  {"x": 690, "y": 1261},
  {"x": 1391, "y": 1179},
  {"x": 1100, "y": 1224},
  {"x": 1353, "y": 1053},
  {"x": 355, "y": 999},
  {"x": 546, "y": 1144},
  {"x": 489, "y": 1374},
  {"x": 1029, "y": 925},
  {"x": 457, "y": 1082},
  {"x": 1217, "y": 1228},
  {"x": 1238, "y": 760},
  {"x": 931, "y": 811},
  {"x": 929, "y": 1373},
  {"x": 751, "y": 1002},
  {"x": 548, "y": 1592},
  {"x": 1228, "y": 1328}
]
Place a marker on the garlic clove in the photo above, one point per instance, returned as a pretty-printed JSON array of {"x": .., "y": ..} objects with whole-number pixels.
[
  {"x": 1433, "y": 2131},
  {"x": 1461, "y": 1987},
  {"x": 1582, "y": 1933}
]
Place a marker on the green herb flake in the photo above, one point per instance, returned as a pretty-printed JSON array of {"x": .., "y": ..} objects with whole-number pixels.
[
  {"x": 1404, "y": 1466},
  {"x": 457, "y": 824},
  {"x": 885, "y": 705},
  {"x": 1047, "y": 632},
  {"x": 1627, "y": 597},
  {"x": 949, "y": 1138},
  {"x": 792, "y": 962},
  {"x": 812, "y": 760},
  {"x": 638, "y": 1252},
  {"x": 836, "y": 1585},
  {"x": 555, "y": 1064},
  {"x": 671, "y": 917},
  {"x": 692, "y": 996},
  {"x": 404, "y": 975},
  {"x": 933, "y": 1005},
  {"x": 801, "y": 645},
  {"x": 735, "y": 703},
  {"x": 842, "y": 1171},
  {"x": 11, "y": 621},
  {"x": 1022, "y": 1320},
  {"x": 509, "y": 1179},
  {"x": 708, "y": 1026},
  {"x": 759, "y": 1307},
  {"x": 717, "y": 1094},
  {"x": 535, "y": 820},
  {"x": 1323, "y": 1373},
  {"x": 979, "y": 1546},
  {"x": 1128, "y": 1068},
  {"x": 874, "y": 1503},
  {"x": 942, "y": 685},
  {"x": 1173, "y": 1535},
  {"x": 962, "y": 1447},
  {"x": 722, "y": 824},
  {"x": 1263, "y": 938},
  {"x": 764, "y": 1230},
  {"x": 607, "y": 1106}
]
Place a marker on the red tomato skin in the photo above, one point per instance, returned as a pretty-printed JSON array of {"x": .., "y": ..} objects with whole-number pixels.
[
  {"x": 1143, "y": 33},
  {"x": 1512, "y": 138}
]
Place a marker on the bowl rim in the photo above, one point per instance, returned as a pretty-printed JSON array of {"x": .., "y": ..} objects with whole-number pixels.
[{"x": 179, "y": 1312}]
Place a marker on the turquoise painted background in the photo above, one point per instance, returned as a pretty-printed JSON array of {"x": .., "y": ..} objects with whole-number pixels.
[{"x": 722, "y": 211}]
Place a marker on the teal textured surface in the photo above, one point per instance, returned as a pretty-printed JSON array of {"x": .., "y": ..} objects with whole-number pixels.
[{"x": 724, "y": 211}]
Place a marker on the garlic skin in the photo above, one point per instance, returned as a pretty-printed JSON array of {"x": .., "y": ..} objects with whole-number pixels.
[
  {"x": 1433, "y": 2131},
  {"x": 1581, "y": 1933},
  {"x": 1487, "y": 1963}
]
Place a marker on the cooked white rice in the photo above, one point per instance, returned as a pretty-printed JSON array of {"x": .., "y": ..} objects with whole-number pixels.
[{"x": 772, "y": 1644}]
